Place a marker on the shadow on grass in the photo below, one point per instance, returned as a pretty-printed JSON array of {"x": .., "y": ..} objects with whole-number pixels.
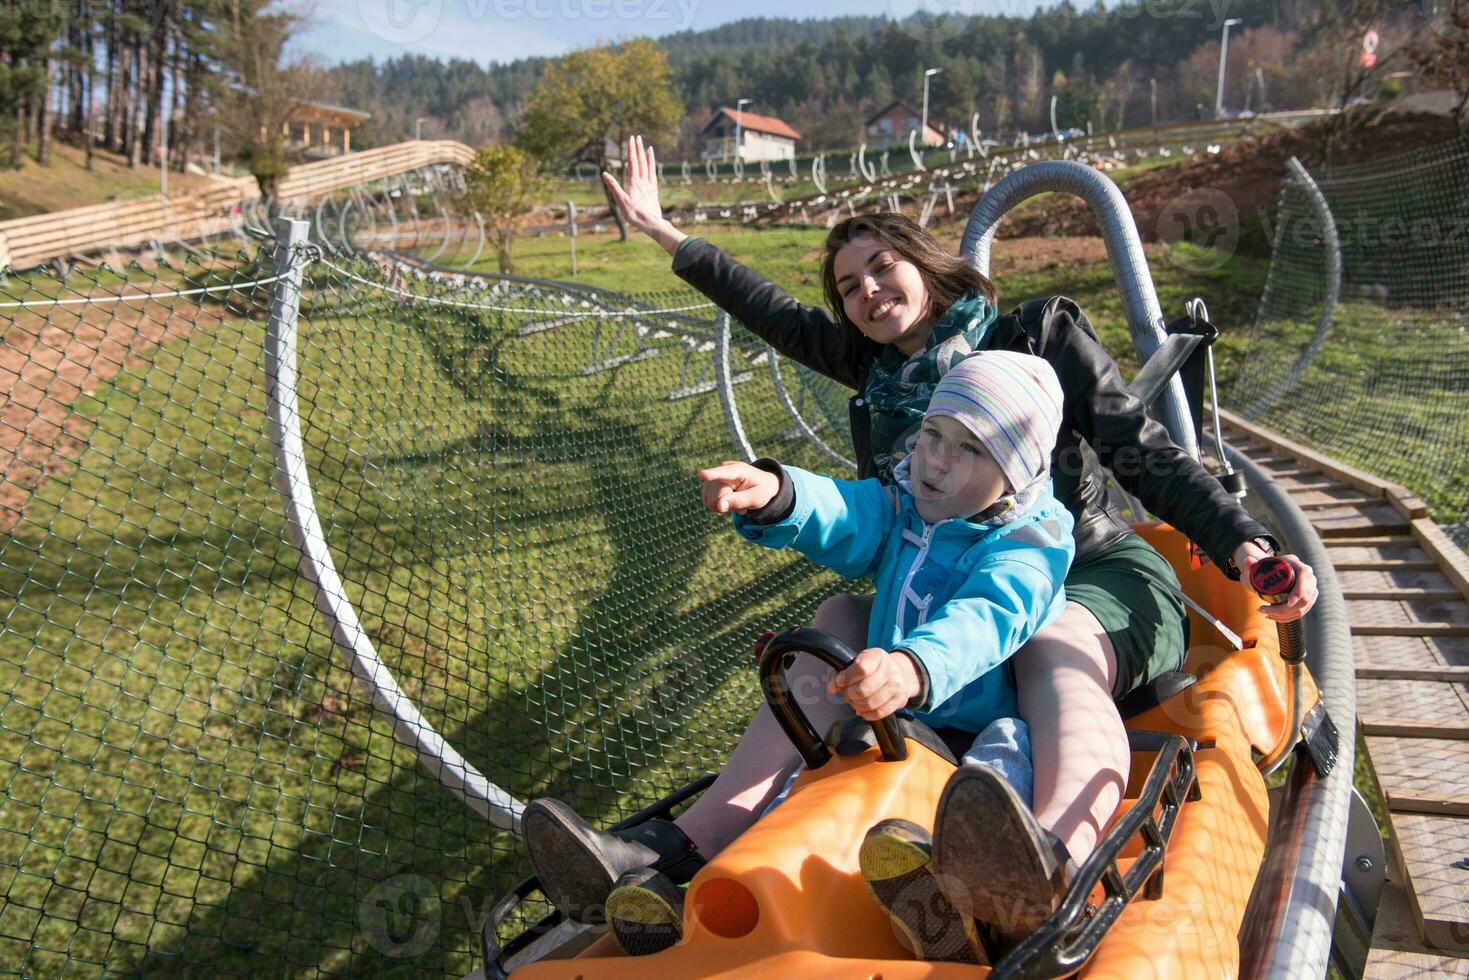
[{"x": 634, "y": 701}]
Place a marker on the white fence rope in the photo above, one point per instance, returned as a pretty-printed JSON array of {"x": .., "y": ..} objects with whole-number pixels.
[
  {"x": 460, "y": 304},
  {"x": 132, "y": 297}
]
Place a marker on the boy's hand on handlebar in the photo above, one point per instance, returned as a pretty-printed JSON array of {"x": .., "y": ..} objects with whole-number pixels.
[
  {"x": 738, "y": 487},
  {"x": 1301, "y": 598},
  {"x": 878, "y": 683},
  {"x": 638, "y": 202}
]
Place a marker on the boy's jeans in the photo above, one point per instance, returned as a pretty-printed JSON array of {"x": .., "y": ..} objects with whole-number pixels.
[{"x": 1004, "y": 746}]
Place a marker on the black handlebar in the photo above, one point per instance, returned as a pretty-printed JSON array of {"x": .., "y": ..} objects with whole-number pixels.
[{"x": 829, "y": 650}]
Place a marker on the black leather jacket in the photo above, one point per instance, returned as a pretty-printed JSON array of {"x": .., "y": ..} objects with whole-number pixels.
[{"x": 1098, "y": 407}]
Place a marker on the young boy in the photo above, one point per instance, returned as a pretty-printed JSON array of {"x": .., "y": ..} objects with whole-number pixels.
[
  {"x": 967, "y": 555},
  {"x": 967, "y": 552}
]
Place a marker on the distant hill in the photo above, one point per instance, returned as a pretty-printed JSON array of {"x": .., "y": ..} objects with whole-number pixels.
[
  {"x": 767, "y": 32},
  {"x": 825, "y": 76}
]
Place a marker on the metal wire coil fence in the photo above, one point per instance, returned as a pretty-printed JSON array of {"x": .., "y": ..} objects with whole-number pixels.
[
  {"x": 190, "y": 780},
  {"x": 1359, "y": 348}
]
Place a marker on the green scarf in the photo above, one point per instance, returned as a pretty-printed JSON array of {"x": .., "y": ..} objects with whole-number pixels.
[{"x": 899, "y": 388}]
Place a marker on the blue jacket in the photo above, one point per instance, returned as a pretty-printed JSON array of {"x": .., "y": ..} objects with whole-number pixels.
[{"x": 961, "y": 596}]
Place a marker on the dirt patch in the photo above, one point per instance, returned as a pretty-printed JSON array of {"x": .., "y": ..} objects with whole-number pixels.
[
  {"x": 1037, "y": 253},
  {"x": 52, "y": 356},
  {"x": 1248, "y": 173}
]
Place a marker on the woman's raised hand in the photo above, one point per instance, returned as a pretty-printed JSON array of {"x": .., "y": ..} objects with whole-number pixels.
[{"x": 638, "y": 202}]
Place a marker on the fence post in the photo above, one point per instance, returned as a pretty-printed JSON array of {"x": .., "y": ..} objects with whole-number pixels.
[
  {"x": 316, "y": 564},
  {"x": 571, "y": 232}
]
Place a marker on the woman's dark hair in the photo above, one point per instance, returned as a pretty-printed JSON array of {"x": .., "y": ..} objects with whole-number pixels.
[{"x": 946, "y": 275}]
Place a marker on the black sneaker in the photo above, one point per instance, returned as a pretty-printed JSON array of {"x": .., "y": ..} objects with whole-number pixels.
[
  {"x": 646, "y": 912},
  {"x": 897, "y": 864}
]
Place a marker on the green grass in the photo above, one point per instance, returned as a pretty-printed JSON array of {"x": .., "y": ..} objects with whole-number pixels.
[
  {"x": 1386, "y": 393},
  {"x": 188, "y": 771}
]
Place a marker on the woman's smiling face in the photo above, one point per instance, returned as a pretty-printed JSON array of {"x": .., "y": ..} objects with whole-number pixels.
[{"x": 883, "y": 294}]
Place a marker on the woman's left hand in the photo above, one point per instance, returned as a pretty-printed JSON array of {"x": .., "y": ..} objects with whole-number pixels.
[{"x": 1301, "y": 598}]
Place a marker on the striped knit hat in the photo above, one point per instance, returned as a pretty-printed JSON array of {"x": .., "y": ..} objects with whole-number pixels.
[{"x": 1012, "y": 403}]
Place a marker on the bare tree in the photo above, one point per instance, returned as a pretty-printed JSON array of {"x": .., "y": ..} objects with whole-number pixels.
[
  {"x": 257, "y": 107},
  {"x": 1441, "y": 55}
]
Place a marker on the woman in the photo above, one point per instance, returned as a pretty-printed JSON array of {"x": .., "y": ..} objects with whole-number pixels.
[{"x": 903, "y": 309}]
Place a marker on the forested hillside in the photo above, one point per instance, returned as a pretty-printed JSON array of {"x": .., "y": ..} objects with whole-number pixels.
[
  {"x": 184, "y": 79},
  {"x": 825, "y": 76}
]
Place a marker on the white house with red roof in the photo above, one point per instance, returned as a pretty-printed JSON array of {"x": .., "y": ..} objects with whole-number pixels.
[{"x": 760, "y": 137}]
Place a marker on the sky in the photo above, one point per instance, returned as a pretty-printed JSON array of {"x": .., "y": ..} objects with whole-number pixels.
[{"x": 503, "y": 30}]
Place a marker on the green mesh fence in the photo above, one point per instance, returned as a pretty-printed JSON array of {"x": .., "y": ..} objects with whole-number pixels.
[
  {"x": 1371, "y": 365},
  {"x": 190, "y": 780}
]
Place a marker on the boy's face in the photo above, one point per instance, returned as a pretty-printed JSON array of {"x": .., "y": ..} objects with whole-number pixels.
[{"x": 952, "y": 473}]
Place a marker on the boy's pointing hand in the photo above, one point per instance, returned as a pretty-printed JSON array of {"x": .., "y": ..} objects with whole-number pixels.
[{"x": 739, "y": 487}]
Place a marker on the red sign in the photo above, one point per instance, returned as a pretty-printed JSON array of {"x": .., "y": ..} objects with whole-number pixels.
[{"x": 1369, "y": 49}]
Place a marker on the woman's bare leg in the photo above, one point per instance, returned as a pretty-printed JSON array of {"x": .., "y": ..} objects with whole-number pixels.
[
  {"x": 764, "y": 758},
  {"x": 1078, "y": 744}
]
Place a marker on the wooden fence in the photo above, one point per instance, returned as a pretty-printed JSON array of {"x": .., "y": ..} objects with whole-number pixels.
[{"x": 127, "y": 224}]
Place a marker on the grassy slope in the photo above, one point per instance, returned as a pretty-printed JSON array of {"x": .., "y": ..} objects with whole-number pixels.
[
  {"x": 184, "y": 749},
  {"x": 65, "y": 182}
]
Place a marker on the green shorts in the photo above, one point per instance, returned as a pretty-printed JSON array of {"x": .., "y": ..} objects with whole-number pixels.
[{"x": 1129, "y": 587}]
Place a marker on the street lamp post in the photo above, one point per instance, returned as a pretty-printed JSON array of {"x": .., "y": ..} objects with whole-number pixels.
[
  {"x": 418, "y": 126},
  {"x": 1223, "y": 55},
  {"x": 163, "y": 147},
  {"x": 739, "y": 111},
  {"x": 923, "y": 133}
]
